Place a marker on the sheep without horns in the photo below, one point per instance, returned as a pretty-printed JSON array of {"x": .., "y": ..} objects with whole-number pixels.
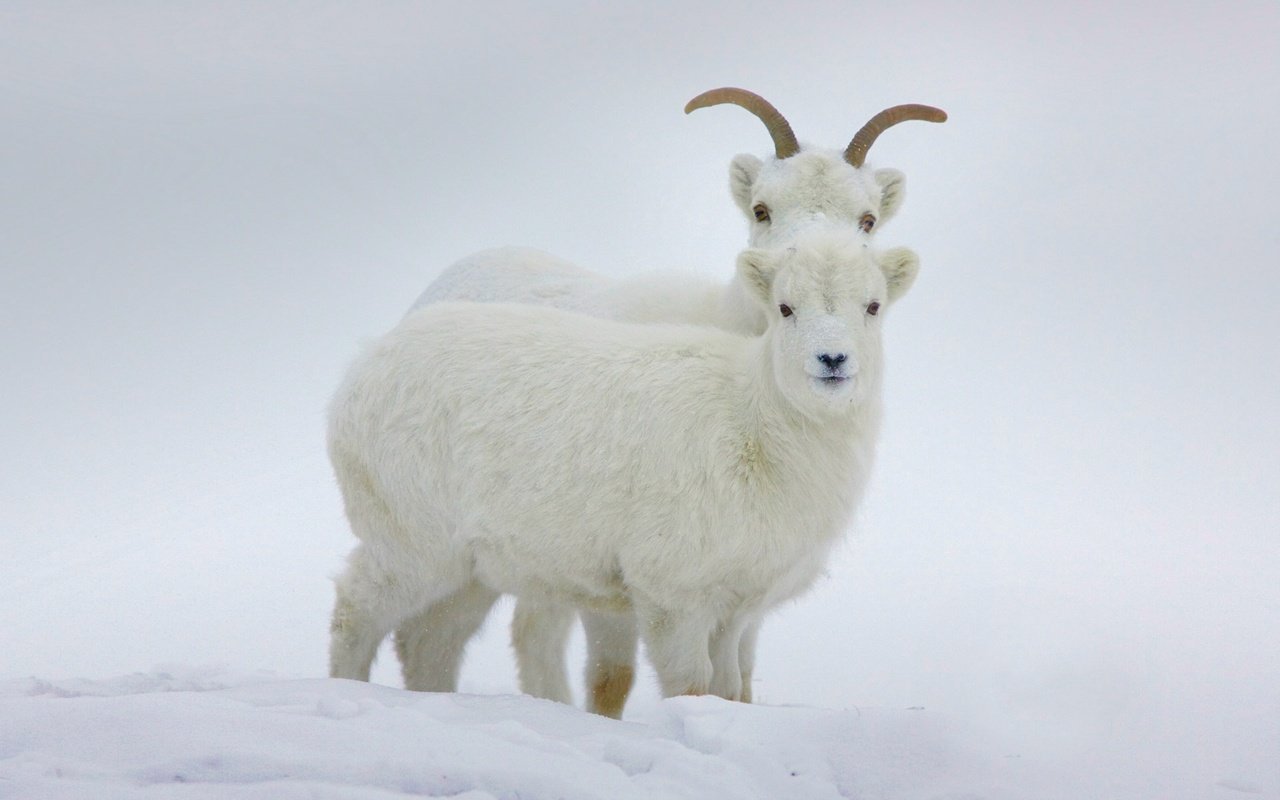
[
  {"x": 688, "y": 476},
  {"x": 795, "y": 190}
]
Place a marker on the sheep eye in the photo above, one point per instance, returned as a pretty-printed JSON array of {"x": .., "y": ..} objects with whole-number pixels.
[
  {"x": 867, "y": 222},
  {"x": 761, "y": 211},
  {"x": 874, "y": 308},
  {"x": 785, "y": 310}
]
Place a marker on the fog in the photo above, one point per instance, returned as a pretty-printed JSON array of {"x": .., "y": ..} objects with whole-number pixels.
[{"x": 1071, "y": 537}]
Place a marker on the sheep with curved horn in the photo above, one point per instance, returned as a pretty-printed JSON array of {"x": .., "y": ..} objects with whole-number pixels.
[{"x": 795, "y": 190}]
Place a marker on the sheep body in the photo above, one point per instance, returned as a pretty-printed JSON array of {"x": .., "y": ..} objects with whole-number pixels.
[{"x": 688, "y": 475}]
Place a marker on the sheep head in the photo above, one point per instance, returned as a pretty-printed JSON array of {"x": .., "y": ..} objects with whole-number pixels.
[
  {"x": 824, "y": 298},
  {"x": 799, "y": 187}
]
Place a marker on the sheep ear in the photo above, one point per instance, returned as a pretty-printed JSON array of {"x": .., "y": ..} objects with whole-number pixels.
[
  {"x": 893, "y": 190},
  {"x": 743, "y": 171},
  {"x": 756, "y": 270},
  {"x": 900, "y": 266}
]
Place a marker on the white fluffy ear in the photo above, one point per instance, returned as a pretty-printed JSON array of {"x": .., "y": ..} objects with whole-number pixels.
[
  {"x": 756, "y": 270},
  {"x": 893, "y": 190},
  {"x": 743, "y": 170},
  {"x": 900, "y": 266}
]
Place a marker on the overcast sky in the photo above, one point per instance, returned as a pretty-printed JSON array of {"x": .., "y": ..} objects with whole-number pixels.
[{"x": 205, "y": 207}]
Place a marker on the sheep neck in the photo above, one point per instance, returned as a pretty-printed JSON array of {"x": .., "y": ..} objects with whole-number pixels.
[{"x": 781, "y": 445}]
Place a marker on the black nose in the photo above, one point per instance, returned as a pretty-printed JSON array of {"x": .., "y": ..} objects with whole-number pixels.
[{"x": 832, "y": 360}]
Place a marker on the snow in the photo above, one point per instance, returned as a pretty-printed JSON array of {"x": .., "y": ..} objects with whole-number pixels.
[
  {"x": 1064, "y": 579},
  {"x": 210, "y": 733}
]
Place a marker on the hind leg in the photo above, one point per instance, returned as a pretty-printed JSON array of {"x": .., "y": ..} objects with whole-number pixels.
[
  {"x": 539, "y": 636},
  {"x": 371, "y": 600},
  {"x": 431, "y": 643},
  {"x": 611, "y": 661}
]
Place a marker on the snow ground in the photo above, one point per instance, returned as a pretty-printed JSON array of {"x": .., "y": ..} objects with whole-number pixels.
[{"x": 213, "y": 734}]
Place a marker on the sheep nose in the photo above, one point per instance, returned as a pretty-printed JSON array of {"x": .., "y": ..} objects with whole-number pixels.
[{"x": 832, "y": 360}]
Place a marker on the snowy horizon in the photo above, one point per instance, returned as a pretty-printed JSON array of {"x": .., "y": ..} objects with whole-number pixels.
[{"x": 1069, "y": 546}]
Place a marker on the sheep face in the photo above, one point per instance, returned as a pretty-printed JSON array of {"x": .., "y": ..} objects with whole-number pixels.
[
  {"x": 825, "y": 299},
  {"x": 781, "y": 198}
]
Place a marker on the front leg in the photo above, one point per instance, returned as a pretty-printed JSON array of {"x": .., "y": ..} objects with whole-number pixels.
[
  {"x": 726, "y": 681},
  {"x": 678, "y": 642},
  {"x": 747, "y": 656}
]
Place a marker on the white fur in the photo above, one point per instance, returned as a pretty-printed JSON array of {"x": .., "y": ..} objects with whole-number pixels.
[
  {"x": 532, "y": 277},
  {"x": 814, "y": 189},
  {"x": 687, "y": 476}
]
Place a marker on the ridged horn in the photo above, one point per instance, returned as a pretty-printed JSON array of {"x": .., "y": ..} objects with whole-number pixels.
[
  {"x": 784, "y": 140},
  {"x": 856, "y": 152}
]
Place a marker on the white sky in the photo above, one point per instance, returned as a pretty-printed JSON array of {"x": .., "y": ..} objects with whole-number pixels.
[{"x": 203, "y": 207}]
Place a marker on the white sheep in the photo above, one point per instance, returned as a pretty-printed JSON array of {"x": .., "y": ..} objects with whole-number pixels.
[
  {"x": 795, "y": 190},
  {"x": 687, "y": 476}
]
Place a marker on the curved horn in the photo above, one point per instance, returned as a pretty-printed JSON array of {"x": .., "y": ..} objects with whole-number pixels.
[
  {"x": 856, "y": 152},
  {"x": 784, "y": 141}
]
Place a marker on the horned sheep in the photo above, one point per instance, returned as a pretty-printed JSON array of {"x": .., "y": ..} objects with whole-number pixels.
[
  {"x": 688, "y": 476},
  {"x": 797, "y": 189}
]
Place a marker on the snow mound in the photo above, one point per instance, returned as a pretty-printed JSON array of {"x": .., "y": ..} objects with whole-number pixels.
[{"x": 205, "y": 733}]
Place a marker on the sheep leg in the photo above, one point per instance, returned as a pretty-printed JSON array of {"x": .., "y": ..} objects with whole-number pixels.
[
  {"x": 370, "y": 602},
  {"x": 677, "y": 641},
  {"x": 611, "y": 661},
  {"x": 539, "y": 636},
  {"x": 431, "y": 644},
  {"x": 747, "y": 657},
  {"x": 726, "y": 641}
]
